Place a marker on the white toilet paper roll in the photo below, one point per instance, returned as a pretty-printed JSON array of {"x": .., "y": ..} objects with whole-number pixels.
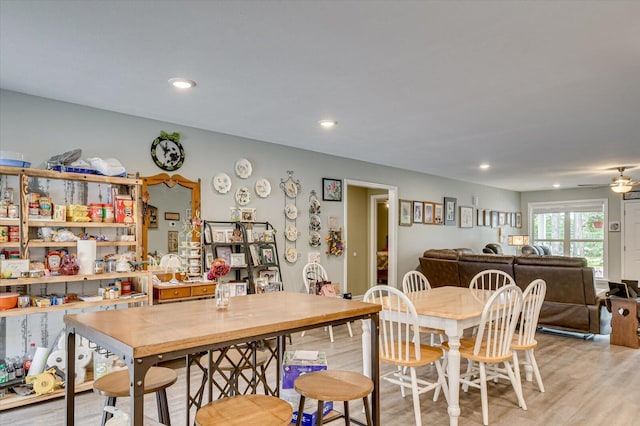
[
  {"x": 83, "y": 356},
  {"x": 86, "y": 256},
  {"x": 39, "y": 361},
  {"x": 57, "y": 359},
  {"x": 81, "y": 376}
]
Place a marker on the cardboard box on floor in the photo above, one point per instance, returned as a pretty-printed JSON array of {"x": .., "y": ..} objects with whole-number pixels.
[{"x": 292, "y": 367}]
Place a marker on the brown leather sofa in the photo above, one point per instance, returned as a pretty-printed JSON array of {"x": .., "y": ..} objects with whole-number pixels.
[{"x": 571, "y": 302}]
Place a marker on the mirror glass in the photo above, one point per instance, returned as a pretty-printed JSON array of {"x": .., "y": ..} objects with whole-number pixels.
[{"x": 168, "y": 203}]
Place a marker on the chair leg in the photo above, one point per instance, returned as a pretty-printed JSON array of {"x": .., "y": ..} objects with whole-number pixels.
[
  {"x": 300, "y": 410},
  {"x": 163, "y": 407},
  {"x": 516, "y": 367},
  {"x": 465, "y": 387},
  {"x": 109, "y": 402},
  {"x": 347, "y": 419},
  {"x": 483, "y": 394},
  {"x": 401, "y": 372},
  {"x": 320, "y": 409},
  {"x": 331, "y": 333},
  {"x": 532, "y": 360},
  {"x": 302, "y": 334},
  {"x": 349, "y": 328},
  {"x": 367, "y": 411},
  {"x": 517, "y": 386},
  {"x": 416, "y": 397}
]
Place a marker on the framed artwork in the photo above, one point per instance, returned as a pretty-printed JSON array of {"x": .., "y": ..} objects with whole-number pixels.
[
  {"x": 405, "y": 212},
  {"x": 428, "y": 213},
  {"x": 208, "y": 257},
  {"x": 513, "y": 219},
  {"x": 494, "y": 219},
  {"x": 487, "y": 217},
  {"x": 219, "y": 235},
  {"x": 331, "y": 189},
  {"x": 418, "y": 209},
  {"x": 438, "y": 218},
  {"x": 466, "y": 217},
  {"x": 238, "y": 260},
  {"x": 480, "y": 217},
  {"x": 501, "y": 218},
  {"x": 153, "y": 217},
  {"x": 235, "y": 214},
  {"x": 224, "y": 252},
  {"x": 518, "y": 219},
  {"x": 171, "y": 216},
  {"x": 172, "y": 238},
  {"x": 450, "y": 211},
  {"x": 271, "y": 275},
  {"x": 267, "y": 255},
  {"x": 238, "y": 288},
  {"x": 248, "y": 214}
]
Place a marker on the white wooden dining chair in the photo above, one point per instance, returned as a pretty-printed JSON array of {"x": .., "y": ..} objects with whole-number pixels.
[
  {"x": 524, "y": 338},
  {"x": 491, "y": 279},
  {"x": 416, "y": 281},
  {"x": 400, "y": 345},
  {"x": 311, "y": 274},
  {"x": 492, "y": 346}
]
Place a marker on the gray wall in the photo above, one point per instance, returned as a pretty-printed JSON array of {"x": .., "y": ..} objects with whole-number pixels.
[{"x": 42, "y": 127}]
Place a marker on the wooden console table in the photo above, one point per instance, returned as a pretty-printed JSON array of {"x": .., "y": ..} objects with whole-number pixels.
[
  {"x": 184, "y": 291},
  {"x": 624, "y": 322}
]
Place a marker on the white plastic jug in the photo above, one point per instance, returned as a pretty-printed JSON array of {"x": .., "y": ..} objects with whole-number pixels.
[{"x": 119, "y": 418}]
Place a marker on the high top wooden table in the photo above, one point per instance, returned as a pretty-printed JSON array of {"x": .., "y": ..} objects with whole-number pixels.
[
  {"x": 143, "y": 336},
  {"x": 452, "y": 309}
]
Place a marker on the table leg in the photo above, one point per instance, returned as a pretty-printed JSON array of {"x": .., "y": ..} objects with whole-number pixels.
[
  {"x": 137, "y": 371},
  {"x": 70, "y": 385},
  {"x": 375, "y": 370},
  {"x": 453, "y": 370}
]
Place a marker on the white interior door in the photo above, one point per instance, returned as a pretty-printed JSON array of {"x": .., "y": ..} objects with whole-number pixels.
[{"x": 631, "y": 241}]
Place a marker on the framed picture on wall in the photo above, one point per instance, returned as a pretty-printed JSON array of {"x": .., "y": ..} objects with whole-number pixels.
[
  {"x": 418, "y": 210},
  {"x": 518, "y": 219},
  {"x": 438, "y": 218},
  {"x": 405, "y": 212},
  {"x": 494, "y": 219},
  {"x": 466, "y": 217},
  {"x": 331, "y": 189},
  {"x": 480, "y": 217},
  {"x": 153, "y": 217},
  {"x": 428, "y": 213},
  {"x": 172, "y": 238},
  {"x": 224, "y": 252},
  {"x": 501, "y": 218},
  {"x": 450, "y": 211}
]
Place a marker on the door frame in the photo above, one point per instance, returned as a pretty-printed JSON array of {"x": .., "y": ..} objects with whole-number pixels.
[
  {"x": 392, "y": 229},
  {"x": 623, "y": 230},
  {"x": 374, "y": 200}
]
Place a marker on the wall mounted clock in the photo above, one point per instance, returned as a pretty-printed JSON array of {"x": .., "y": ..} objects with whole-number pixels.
[{"x": 167, "y": 152}]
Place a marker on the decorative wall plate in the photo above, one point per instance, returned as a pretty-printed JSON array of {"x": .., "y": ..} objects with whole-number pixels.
[
  {"x": 243, "y": 196},
  {"x": 291, "y": 211},
  {"x": 167, "y": 152},
  {"x": 221, "y": 183},
  {"x": 314, "y": 206},
  {"x": 314, "y": 239},
  {"x": 291, "y": 255},
  {"x": 243, "y": 168},
  {"x": 314, "y": 222},
  {"x": 263, "y": 188},
  {"x": 291, "y": 233},
  {"x": 291, "y": 189}
]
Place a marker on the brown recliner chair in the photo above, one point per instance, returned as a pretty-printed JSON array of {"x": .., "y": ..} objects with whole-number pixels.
[{"x": 493, "y": 248}]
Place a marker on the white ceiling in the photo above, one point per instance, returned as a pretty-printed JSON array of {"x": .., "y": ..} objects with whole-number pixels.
[{"x": 546, "y": 91}]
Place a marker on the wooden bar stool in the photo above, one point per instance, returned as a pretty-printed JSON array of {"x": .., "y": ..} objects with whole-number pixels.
[
  {"x": 157, "y": 380},
  {"x": 333, "y": 385},
  {"x": 242, "y": 410}
]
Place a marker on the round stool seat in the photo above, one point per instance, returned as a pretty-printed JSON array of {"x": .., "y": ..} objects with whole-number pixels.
[
  {"x": 333, "y": 385},
  {"x": 236, "y": 360},
  {"x": 117, "y": 384},
  {"x": 245, "y": 410}
]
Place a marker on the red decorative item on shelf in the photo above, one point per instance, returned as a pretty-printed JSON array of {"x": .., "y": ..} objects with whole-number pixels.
[
  {"x": 218, "y": 269},
  {"x": 69, "y": 266}
]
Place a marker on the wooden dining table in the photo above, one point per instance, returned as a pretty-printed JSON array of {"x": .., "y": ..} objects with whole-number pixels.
[
  {"x": 144, "y": 336},
  {"x": 452, "y": 309}
]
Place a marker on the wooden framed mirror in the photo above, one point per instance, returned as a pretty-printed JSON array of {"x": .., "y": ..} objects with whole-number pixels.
[{"x": 166, "y": 201}]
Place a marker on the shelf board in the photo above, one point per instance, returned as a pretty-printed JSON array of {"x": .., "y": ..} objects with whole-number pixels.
[
  {"x": 14, "y": 401},
  {"x": 15, "y": 245},
  {"x": 9, "y": 222},
  {"x": 72, "y": 278},
  {"x": 68, "y": 224},
  {"x": 69, "y": 306},
  {"x": 52, "y": 174},
  {"x": 33, "y": 243}
]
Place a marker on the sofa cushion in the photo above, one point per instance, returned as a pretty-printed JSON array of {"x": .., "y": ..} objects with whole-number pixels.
[
  {"x": 471, "y": 264},
  {"x": 440, "y": 272},
  {"x": 570, "y": 262},
  {"x": 441, "y": 254}
]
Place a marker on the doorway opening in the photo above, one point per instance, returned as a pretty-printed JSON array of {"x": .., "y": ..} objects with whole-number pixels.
[{"x": 367, "y": 240}]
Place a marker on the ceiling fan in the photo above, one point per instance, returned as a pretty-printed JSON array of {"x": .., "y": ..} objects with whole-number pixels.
[{"x": 619, "y": 184}]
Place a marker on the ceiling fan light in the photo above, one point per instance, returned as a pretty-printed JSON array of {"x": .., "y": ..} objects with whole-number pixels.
[{"x": 621, "y": 189}]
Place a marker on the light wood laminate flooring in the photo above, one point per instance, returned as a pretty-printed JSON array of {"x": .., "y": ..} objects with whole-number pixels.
[{"x": 587, "y": 383}]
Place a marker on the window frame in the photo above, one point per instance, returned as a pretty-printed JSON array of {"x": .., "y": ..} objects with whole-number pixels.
[{"x": 573, "y": 206}]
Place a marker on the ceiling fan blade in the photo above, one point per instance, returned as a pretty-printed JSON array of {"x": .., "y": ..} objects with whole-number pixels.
[{"x": 594, "y": 185}]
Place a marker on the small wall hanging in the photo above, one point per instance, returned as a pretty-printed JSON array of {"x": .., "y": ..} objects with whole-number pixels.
[
  {"x": 167, "y": 151},
  {"x": 291, "y": 188},
  {"x": 335, "y": 242}
]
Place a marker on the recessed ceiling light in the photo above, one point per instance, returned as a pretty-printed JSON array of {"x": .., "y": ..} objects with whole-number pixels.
[
  {"x": 485, "y": 166},
  {"x": 182, "y": 83},
  {"x": 328, "y": 124},
  {"x": 556, "y": 185}
]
